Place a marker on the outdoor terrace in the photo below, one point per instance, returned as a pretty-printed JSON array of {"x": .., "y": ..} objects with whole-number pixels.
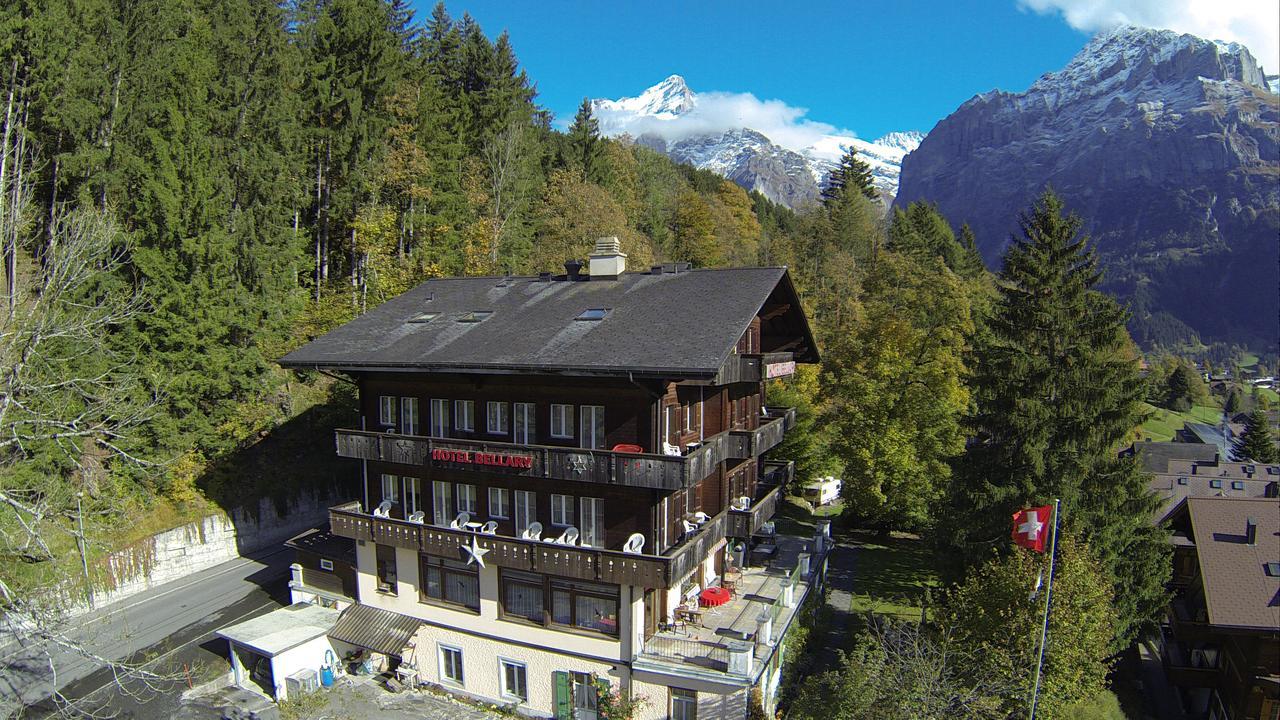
[
  {"x": 649, "y": 470},
  {"x": 739, "y": 626}
]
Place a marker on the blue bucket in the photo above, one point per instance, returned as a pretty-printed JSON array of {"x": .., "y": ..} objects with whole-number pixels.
[{"x": 326, "y": 676}]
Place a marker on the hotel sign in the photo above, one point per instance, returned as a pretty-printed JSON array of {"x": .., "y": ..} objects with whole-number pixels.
[
  {"x": 782, "y": 369},
  {"x": 502, "y": 460}
]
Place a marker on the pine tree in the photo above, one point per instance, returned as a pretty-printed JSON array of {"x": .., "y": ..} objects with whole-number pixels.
[
  {"x": 1057, "y": 394},
  {"x": 851, "y": 174},
  {"x": 1258, "y": 443},
  {"x": 584, "y": 145}
]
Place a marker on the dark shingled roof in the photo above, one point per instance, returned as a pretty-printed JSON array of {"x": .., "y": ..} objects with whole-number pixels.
[
  {"x": 1155, "y": 456},
  {"x": 325, "y": 544},
  {"x": 667, "y": 324},
  {"x": 376, "y": 629},
  {"x": 1238, "y": 591}
]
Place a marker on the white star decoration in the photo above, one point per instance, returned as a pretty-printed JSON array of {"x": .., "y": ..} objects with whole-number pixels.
[
  {"x": 1031, "y": 528},
  {"x": 476, "y": 552}
]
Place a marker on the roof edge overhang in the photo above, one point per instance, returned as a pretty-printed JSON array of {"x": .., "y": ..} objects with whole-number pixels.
[{"x": 504, "y": 369}]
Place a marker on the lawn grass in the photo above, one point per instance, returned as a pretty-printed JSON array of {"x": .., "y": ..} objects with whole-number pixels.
[
  {"x": 1162, "y": 424},
  {"x": 891, "y": 574}
]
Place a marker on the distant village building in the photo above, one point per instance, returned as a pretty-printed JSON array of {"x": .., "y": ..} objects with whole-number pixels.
[
  {"x": 564, "y": 490},
  {"x": 1182, "y": 470}
]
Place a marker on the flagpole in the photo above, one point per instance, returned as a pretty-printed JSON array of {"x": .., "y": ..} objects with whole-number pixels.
[{"x": 1048, "y": 595}]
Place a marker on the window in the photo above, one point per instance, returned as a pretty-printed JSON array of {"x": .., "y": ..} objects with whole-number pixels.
[
  {"x": 326, "y": 564},
  {"x": 451, "y": 665},
  {"x": 526, "y": 510},
  {"x": 467, "y": 499},
  {"x": 525, "y": 428},
  {"x": 586, "y": 697},
  {"x": 464, "y": 415},
  {"x": 474, "y": 316},
  {"x": 442, "y": 502},
  {"x": 386, "y": 556},
  {"x": 561, "y": 421},
  {"x": 513, "y": 680},
  {"x": 425, "y": 317},
  {"x": 439, "y": 418},
  {"x": 499, "y": 504},
  {"x": 585, "y": 605},
  {"x": 496, "y": 417},
  {"x": 1237, "y": 484},
  {"x": 684, "y": 704},
  {"x": 450, "y": 581},
  {"x": 390, "y": 488},
  {"x": 591, "y": 525},
  {"x": 522, "y": 596},
  {"x": 592, "y": 426},
  {"x": 409, "y": 416},
  {"x": 387, "y": 411},
  {"x": 593, "y": 314},
  {"x": 562, "y": 510},
  {"x": 1215, "y": 484},
  {"x": 688, "y": 416},
  {"x": 1182, "y": 481},
  {"x": 412, "y": 495}
]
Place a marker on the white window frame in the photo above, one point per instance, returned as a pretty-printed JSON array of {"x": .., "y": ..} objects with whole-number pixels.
[
  {"x": 466, "y": 496},
  {"x": 439, "y": 417},
  {"x": 444, "y": 677},
  {"x": 501, "y": 509},
  {"x": 412, "y": 494},
  {"x": 387, "y": 411},
  {"x": 505, "y": 691},
  {"x": 464, "y": 415},
  {"x": 526, "y": 515},
  {"x": 409, "y": 416},
  {"x": 524, "y": 423},
  {"x": 591, "y": 521},
  {"x": 587, "y": 437},
  {"x": 561, "y": 510},
  {"x": 326, "y": 564},
  {"x": 442, "y": 512},
  {"x": 495, "y": 417},
  {"x": 689, "y": 703},
  {"x": 561, "y": 421},
  {"x": 390, "y": 488}
]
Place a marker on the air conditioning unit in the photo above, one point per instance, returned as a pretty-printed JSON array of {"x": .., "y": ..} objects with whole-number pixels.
[{"x": 302, "y": 683}]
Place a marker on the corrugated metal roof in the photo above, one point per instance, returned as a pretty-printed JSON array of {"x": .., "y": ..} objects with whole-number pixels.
[{"x": 376, "y": 629}]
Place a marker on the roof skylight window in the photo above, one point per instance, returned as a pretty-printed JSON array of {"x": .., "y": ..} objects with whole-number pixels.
[
  {"x": 424, "y": 317},
  {"x": 593, "y": 314},
  {"x": 474, "y": 316}
]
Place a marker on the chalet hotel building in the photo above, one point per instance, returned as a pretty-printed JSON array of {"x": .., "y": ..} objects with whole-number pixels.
[{"x": 564, "y": 488}]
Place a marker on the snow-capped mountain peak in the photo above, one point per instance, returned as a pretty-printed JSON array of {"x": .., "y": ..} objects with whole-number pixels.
[
  {"x": 712, "y": 133},
  {"x": 666, "y": 100}
]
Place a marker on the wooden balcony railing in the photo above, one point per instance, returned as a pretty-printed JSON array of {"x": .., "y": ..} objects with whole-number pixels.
[
  {"x": 755, "y": 367},
  {"x": 745, "y": 523},
  {"x": 778, "y": 472},
  {"x": 647, "y": 470},
  {"x": 582, "y": 563}
]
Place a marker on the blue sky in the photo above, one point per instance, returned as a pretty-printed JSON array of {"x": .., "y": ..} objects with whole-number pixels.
[{"x": 867, "y": 66}]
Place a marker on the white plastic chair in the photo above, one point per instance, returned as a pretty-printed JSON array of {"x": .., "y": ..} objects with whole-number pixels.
[
  {"x": 568, "y": 537},
  {"x": 489, "y": 528},
  {"x": 417, "y": 517},
  {"x": 383, "y": 510},
  {"x": 634, "y": 544},
  {"x": 533, "y": 532},
  {"x": 460, "y": 522}
]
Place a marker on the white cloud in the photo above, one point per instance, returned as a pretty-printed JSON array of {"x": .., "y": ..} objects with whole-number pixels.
[
  {"x": 1252, "y": 23},
  {"x": 717, "y": 112}
]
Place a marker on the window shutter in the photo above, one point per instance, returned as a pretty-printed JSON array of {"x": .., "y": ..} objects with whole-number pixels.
[{"x": 564, "y": 701}]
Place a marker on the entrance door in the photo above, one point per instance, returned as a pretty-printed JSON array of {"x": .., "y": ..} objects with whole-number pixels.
[
  {"x": 651, "y": 612},
  {"x": 585, "y": 699}
]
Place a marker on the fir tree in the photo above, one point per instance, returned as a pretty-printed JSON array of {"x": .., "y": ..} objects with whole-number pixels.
[
  {"x": 584, "y": 144},
  {"x": 1257, "y": 444},
  {"x": 851, "y": 174},
  {"x": 1057, "y": 393}
]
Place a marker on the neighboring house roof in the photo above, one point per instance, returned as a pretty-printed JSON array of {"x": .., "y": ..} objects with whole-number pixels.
[
  {"x": 376, "y": 629},
  {"x": 1239, "y": 591},
  {"x": 282, "y": 629},
  {"x": 1173, "y": 488},
  {"x": 1212, "y": 435},
  {"x": 673, "y": 324},
  {"x": 1155, "y": 456},
  {"x": 325, "y": 544}
]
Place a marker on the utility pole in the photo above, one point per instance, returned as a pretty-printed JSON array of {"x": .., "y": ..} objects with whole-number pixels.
[{"x": 84, "y": 560}]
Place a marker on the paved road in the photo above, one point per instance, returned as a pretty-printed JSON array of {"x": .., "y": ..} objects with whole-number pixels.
[{"x": 167, "y": 626}]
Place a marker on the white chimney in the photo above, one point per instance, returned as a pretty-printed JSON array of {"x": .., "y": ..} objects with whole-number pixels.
[{"x": 607, "y": 260}]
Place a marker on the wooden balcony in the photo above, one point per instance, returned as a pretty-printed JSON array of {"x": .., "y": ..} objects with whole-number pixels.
[
  {"x": 647, "y": 470},
  {"x": 745, "y": 523},
  {"x": 778, "y": 472},
  {"x": 1185, "y": 628},
  {"x": 755, "y": 368},
  {"x": 662, "y": 472},
  {"x": 1181, "y": 672},
  {"x": 582, "y": 563}
]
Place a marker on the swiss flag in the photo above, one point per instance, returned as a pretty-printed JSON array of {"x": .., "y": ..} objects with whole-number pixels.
[{"x": 1031, "y": 526}]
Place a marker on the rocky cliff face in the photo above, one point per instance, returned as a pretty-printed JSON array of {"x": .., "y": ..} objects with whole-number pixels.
[
  {"x": 1167, "y": 145},
  {"x": 749, "y": 159}
]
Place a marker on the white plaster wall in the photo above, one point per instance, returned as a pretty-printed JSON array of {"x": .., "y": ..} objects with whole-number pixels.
[
  {"x": 215, "y": 539},
  {"x": 307, "y": 656},
  {"x": 487, "y": 622},
  {"x": 482, "y": 674}
]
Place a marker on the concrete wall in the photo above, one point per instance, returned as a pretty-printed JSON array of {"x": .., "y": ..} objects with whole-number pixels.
[{"x": 215, "y": 539}]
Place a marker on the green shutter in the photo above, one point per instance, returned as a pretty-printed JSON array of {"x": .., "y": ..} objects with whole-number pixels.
[{"x": 564, "y": 700}]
